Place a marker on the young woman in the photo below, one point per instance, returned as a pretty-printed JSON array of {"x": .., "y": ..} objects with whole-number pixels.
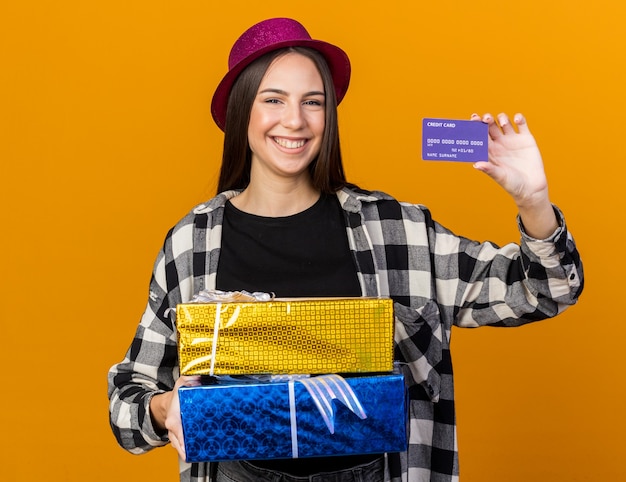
[{"x": 285, "y": 220}]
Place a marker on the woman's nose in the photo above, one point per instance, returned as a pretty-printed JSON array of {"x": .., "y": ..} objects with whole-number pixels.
[{"x": 293, "y": 116}]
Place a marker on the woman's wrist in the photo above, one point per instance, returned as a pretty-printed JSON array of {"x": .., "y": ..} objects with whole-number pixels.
[
  {"x": 159, "y": 405},
  {"x": 539, "y": 219}
]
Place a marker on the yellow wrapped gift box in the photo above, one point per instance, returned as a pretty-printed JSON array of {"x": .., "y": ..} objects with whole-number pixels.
[{"x": 286, "y": 336}]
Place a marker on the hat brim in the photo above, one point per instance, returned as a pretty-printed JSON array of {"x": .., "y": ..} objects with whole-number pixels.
[{"x": 337, "y": 59}]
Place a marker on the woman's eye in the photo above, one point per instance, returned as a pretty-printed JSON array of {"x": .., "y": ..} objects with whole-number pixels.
[
  {"x": 272, "y": 101},
  {"x": 313, "y": 102}
]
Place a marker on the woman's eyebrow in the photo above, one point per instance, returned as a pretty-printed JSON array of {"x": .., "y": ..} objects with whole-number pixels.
[{"x": 283, "y": 92}]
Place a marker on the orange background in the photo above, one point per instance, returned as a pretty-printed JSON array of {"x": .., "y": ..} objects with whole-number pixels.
[{"x": 106, "y": 140}]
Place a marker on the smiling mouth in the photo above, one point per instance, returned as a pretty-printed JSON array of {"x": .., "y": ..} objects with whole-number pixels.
[{"x": 289, "y": 144}]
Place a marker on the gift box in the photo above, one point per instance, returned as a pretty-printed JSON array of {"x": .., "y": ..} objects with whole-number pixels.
[
  {"x": 268, "y": 420},
  {"x": 310, "y": 336}
]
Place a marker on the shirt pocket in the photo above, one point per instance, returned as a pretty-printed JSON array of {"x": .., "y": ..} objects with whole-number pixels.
[{"x": 418, "y": 340}]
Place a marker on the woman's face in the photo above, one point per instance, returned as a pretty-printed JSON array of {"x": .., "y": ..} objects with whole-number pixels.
[{"x": 287, "y": 118}]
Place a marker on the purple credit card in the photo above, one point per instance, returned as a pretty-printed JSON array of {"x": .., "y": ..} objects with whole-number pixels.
[{"x": 454, "y": 140}]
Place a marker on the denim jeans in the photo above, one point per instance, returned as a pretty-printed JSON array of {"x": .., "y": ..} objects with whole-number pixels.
[{"x": 242, "y": 471}]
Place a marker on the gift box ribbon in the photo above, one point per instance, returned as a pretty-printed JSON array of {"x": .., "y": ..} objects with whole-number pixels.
[
  {"x": 218, "y": 297},
  {"x": 323, "y": 390}
]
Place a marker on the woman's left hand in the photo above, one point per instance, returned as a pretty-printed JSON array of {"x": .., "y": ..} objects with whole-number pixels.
[
  {"x": 514, "y": 159},
  {"x": 515, "y": 164}
]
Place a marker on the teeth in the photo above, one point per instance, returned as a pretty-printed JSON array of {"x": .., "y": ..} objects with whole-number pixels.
[{"x": 289, "y": 144}]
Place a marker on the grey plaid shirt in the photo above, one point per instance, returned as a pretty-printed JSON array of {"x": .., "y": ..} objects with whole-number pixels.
[{"x": 436, "y": 279}]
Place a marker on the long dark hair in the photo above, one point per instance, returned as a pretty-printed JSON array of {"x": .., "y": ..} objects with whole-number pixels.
[{"x": 326, "y": 170}]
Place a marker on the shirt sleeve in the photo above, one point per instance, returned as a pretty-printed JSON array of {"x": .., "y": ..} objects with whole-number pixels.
[
  {"x": 517, "y": 283},
  {"x": 150, "y": 365}
]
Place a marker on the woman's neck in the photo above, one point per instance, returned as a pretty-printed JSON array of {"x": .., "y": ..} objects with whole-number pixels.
[{"x": 276, "y": 200}]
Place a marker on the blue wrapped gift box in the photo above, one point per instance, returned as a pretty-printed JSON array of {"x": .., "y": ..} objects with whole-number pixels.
[{"x": 250, "y": 420}]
